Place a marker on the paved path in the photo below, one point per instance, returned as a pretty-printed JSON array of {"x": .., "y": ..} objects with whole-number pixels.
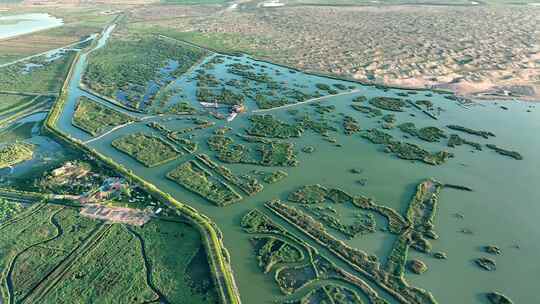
[
  {"x": 108, "y": 132},
  {"x": 51, "y": 94},
  {"x": 120, "y": 127},
  {"x": 185, "y": 42},
  {"x": 307, "y": 101}
]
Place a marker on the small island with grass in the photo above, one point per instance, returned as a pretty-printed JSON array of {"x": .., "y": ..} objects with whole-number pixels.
[
  {"x": 15, "y": 153},
  {"x": 149, "y": 150}
]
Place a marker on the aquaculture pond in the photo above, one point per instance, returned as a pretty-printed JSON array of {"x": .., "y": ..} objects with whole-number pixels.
[
  {"x": 14, "y": 25},
  {"x": 368, "y": 141}
]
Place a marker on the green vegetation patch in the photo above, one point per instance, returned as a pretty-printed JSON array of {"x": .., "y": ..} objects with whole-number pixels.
[
  {"x": 193, "y": 177},
  {"x": 30, "y": 227},
  {"x": 173, "y": 248},
  {"x": 425, "y": 103},
  {"x": 268, "y": 152},
  {"x": 310, "y": 194},
  {"x": 15, "y": 153},
  {"x": 228, "y": 151},
  {"x": 456, "y": 140},
  {"x": 268, "y": 126},
  {"x": 223, "y": 96},
  {"x": 265, "y": 102},
  {"x": 311, "y": 197},
  {"x": 275, "y": 177},
  {"x": 247, "y": 183},
  {"x": 51, "y": 254},
  {"x": 180, "y": 108},
  {"x": 37, "y": 75},
  {"x": 488, "y": 264},
  {"x": 95, "y": 118},
  {"x": 505, "y": 152},
  {"x": 371, "y": 112},
  {"x": 12, "y": 102},
  {"x": 406, "y": 150},
  {"x": 396, "y": 222},
  {"x": 330, "y": 293},
  {"x": 298, "y": 264},
  {"x": 129, "y": 64},
  {"x": 429, "y": 134},
  {"x": 257, "y": 222},
  {"x": 273, "y": 251},
  {"x": 484, "y": 134},
  {"x": 149, "y": 150},
  {"x": 350, "y": 125},
  {"x": 363, "y": 223},
  {"x": 32, "y": 265},
  {"x": 414, "y": 152},
  {"x": 277, "y": 154},
  {"x": 8, "y": 209},
  {"x": 495, "y": 297},
  {"x": 319, "y": 126},
  {"x": 388, "y": 103},
  {"x": 114, "y": 267}
]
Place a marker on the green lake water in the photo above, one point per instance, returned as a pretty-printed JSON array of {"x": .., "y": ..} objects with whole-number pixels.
[
  {"x": 502, "y": 209},
  {"x": 47, "y": 152}
]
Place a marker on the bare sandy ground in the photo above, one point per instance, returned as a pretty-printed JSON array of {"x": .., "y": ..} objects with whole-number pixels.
[
  {"x": 487, "y": 88},
  {"x": 116, "y": 214}
]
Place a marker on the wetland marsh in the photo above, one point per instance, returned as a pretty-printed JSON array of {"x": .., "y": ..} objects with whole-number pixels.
[
  {"x": 233, "y": 179},
  {"x": 503, "y": 187}
]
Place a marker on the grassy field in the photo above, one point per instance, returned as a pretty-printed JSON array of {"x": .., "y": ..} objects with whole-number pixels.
[
  {"x": 29, "y": 106},
  {"x": 95, "y": 118},
  {"x": 38, "y": 75},
  {"x": 9, "y": 102},
  {"x": 8, "y": 209},
  {"x": 114, "y": 268},
  {"x": 149, "y": 150},
  {"x": 172, "y": 249},
  {"x": 35, "y": 262},
  {"x": 191, "y": 176},
  {"x": 28, "y": 228},
  {"x": 15, "y": 153},
  {"x": 51, "y": 254},
  {"x": 129, "y": 63},
  {"x": 224, "y": 42}
]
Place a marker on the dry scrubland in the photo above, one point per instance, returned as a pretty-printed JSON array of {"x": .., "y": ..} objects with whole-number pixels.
[{"x": 468, "y": 49}]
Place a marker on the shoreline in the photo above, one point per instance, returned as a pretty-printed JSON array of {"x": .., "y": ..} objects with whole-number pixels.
[
  {"x": 477, "y": 92},
  {"x": 401, "y": 84}
]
